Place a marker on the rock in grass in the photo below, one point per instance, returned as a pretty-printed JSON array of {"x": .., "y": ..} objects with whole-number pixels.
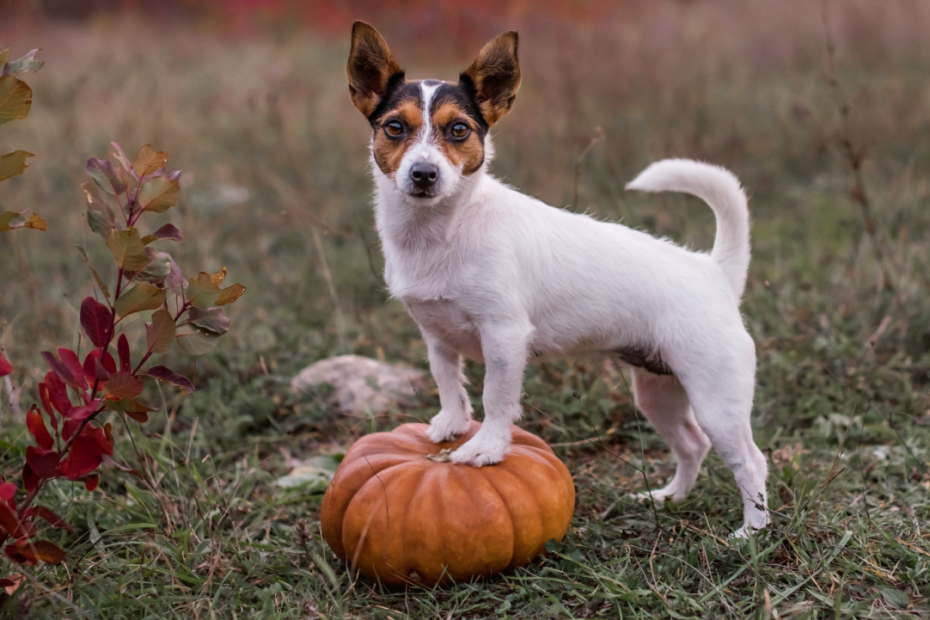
[{"x": 361, "y": 383}]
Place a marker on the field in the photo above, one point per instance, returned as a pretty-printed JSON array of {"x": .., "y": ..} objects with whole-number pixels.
[{"x": 822, "y": 111}]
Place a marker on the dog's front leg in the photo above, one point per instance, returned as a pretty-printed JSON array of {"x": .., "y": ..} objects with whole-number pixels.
[
  {"x": 504, "y": 348},
  {"x": 455, "y": 412}
]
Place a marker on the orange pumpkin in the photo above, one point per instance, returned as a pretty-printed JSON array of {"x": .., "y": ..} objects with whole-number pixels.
[{"x": 398, "y": 511}]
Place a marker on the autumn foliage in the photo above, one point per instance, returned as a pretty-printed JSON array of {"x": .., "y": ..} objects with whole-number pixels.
[{"x": 71, "y": 442}]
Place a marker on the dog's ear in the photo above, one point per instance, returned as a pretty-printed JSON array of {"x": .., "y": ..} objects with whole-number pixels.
[
  {"x": 495, "y": 76},
  {"x": 370, "y": 68}
]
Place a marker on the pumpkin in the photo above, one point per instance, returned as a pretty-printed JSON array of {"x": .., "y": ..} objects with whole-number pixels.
[{"x": 400, "y": 512}]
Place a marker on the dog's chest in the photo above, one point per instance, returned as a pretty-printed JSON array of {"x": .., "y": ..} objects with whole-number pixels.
[{"x": 448, "y": 322}]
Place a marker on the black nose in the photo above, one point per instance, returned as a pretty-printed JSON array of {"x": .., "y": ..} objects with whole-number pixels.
[{"x": 424, "y": 175}]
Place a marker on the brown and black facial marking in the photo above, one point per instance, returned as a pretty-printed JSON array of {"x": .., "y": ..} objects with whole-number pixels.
[
  {"x": 452, "y": 104},
  {"x": 403, "y": 103},
  {"x": 495, "y": 77},
  {"x": 371, "y": 68}
]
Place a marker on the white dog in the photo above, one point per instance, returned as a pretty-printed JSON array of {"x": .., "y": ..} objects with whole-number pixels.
[{"x": 501, "y": 278}]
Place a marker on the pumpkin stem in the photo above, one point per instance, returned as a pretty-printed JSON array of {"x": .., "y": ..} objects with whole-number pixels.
[{"x": 444, "y": 456}]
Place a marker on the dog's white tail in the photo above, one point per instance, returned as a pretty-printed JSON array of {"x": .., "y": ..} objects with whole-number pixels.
[{"x": 720, "y": 189}]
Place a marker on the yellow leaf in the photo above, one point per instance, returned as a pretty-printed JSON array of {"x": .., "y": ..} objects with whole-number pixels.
[
  {"x": 15, "y": 99},
  {"x": 148, "y": 160},
  {"x": 160, "y": 334},
  {"x": 219, "y": 276},
  {"x": 159, "y": 194},
  {"x": 202, "y": 292},
  {"x": 13, "y": 164},
  {"x": 127, "y": 249},
  {"x": 141, "y": 297},
  {"x": 36, "y": 222},
  {"x": 230, "y": 294}
]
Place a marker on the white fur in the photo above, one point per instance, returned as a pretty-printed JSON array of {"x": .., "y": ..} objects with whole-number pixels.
[{"x": 500, "y": 277}]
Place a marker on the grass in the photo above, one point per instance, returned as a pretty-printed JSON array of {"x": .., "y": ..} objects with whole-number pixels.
[{"x": 272, "y": 150}]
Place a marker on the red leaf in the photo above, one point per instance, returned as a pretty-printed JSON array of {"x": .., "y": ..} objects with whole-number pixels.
[
  {"x": 44, "y": 463},
  {"x": 77, "y": 414},
  {"x": 47, "y": 405},
  {"x": 97, "y": 369},
  {"x": 168, "y": 231},
  {"x": 61, "y": 370},
  {"x": 30, "y": 480},
  {"x": 8, "y": 520},
  {"x": 11, "y": 583},
  {"x": 30, "y": 553},
  {"x": 5, "y": 367},
  {"x": 45, "y": 513},
  {"x": 91, "y": 482},
  {"x": 169, "y": 376},
  {"x": 139, "y": 416},
  {"x": 99, "y": 435},
  {"x": 58, "y": 393},
  {"x": 124, "y": 384},
  {"x": 36, "y": 426},
  {"x": 70, "y": 359},
  {"x": 8, "y": 494},
  {"x": 69, "y": 428},
  {"x": 84, "y": 457},
  {"x": 97, "y": 320},
  {"x": 122, "y": 347}
]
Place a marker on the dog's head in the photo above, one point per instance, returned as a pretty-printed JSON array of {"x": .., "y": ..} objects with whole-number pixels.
[{"x": 429, "y": 135}]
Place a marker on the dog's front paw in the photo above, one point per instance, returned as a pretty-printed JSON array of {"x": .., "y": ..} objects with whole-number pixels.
[
  {"x": 482, "y": 449},
  {"x": 445, "y": 426}
]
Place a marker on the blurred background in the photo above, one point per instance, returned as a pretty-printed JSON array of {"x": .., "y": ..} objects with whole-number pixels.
[{"x": 821, "y": 108}]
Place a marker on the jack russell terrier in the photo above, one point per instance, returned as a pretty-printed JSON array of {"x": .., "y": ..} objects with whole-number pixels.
[{"x": 499, "y": 277}]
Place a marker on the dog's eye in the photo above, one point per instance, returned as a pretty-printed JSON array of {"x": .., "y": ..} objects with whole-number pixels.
[
  {"x": 393, "y": 128},
  {"x": 460, "y": 131}
]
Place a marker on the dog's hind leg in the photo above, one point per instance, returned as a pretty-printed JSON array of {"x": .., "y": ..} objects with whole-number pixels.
[
  {"x": 721, "y": 395},
  {"x": 455, "y": 413},
  {"x": 664, "y": 402}
]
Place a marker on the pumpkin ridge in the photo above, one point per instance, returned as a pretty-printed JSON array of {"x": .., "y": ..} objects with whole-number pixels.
[
  {"x": 526, "y": 491},
  {"x": 466, "y": 475},
  {"x": 376, "y": 481},
  {"x": 421, "y": 487}
]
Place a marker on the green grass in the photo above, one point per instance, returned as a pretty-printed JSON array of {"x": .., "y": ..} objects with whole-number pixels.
[{"x": 843, "y": 411}]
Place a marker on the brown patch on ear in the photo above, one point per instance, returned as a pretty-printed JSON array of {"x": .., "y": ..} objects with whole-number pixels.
[
  {"x": 370, "y": 68},
  {"x": 495, "y": 75},
  {"x": 389, "y": 152},
  {"x": 468, "y": 154}
]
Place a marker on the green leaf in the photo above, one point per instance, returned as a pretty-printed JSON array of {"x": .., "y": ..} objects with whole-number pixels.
[
  {"x": 202, "y": 291},
  {"x": 159, "y": 334},
  {"x": 212, "y": 320},
  {"x": 20, "y": 65},
  {"x": 157, "y": 269},
  {"x": 148, "y": 160},
  {"x": 197, "y": 343},
  {"x": 159, "y": 194},
  {"x": 15, "y": 99},
  {"x": 100, "y": 216},
  {"x": 104, "y": 175},
  {"x": 122, "y": 159},
  {"x": 230, "y": 294},
  {"x": 141, "y": 297},
  {"x": 13, "y": 164},
  {"x": 127, "y": 249}
]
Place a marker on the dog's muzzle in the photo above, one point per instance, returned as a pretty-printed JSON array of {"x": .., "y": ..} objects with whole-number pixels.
[{"x": 424, "y": 176}]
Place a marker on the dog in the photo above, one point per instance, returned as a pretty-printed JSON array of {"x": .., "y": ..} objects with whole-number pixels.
[{"x": 496, "y": 276}]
